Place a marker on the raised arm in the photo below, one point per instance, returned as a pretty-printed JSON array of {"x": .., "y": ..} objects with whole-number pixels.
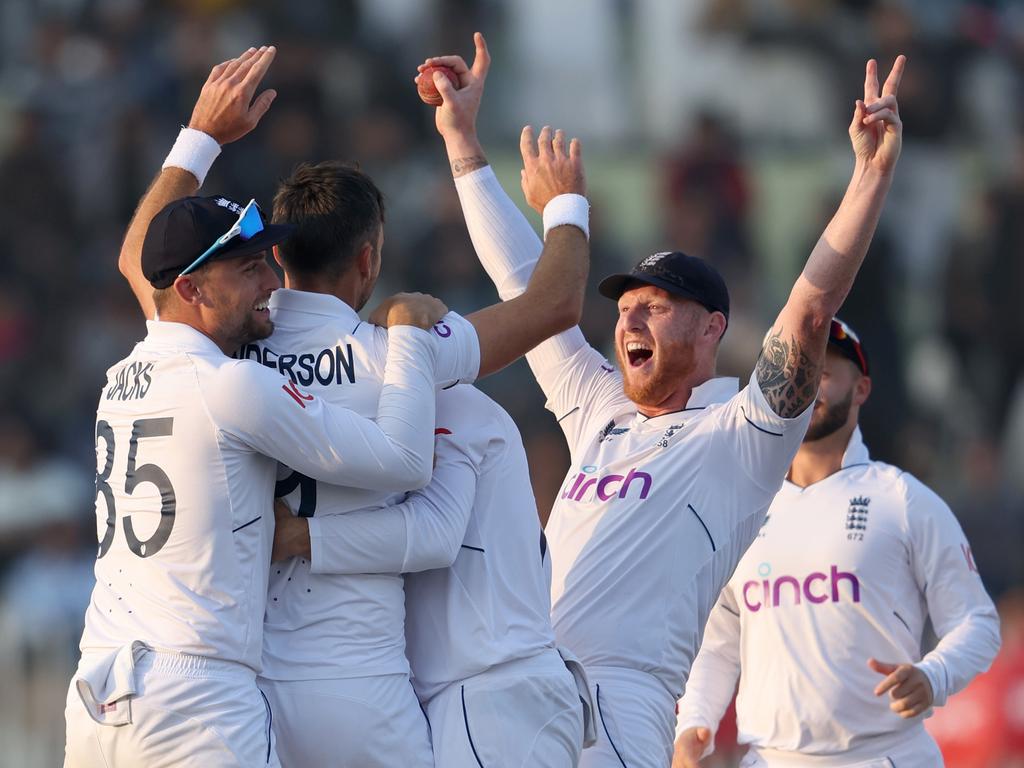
[
  {"x": 552, "y": 297},
  {"x": 224, "y": 112},
  {"x": 789, "y": 367}
]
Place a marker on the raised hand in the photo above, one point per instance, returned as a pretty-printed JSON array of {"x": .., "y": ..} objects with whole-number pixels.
[
  {"x": 876, "y": 131},
  {"x": 548, "y": 169},
  {"x": 457, "y": 115},
  {"x": 908, "y": 687},
  {"x": 418, "y": 309},
  {"x": 226, "y": 109},
  {"x": 689, "y": 747}
]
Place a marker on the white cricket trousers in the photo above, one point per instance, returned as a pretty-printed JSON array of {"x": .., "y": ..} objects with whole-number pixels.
[
  {"x": 636, "y": 718},
  {"x": 907, "y": 748},
  {"x": 525, "y": 713},
  {"x": 189, "y": 712},
  {"x": 359, "y": 722}
]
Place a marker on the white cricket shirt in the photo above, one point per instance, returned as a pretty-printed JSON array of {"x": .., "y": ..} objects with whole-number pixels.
[
  {"x": 478, "y": 516},
  {"x": 846, "y": 569},
  {"x": 320, "y": 625},
  {"x": 654, "y": 513},
  {"x": 187, "y": 444}
]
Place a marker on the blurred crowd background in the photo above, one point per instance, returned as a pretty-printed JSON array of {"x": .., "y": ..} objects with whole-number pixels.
[{"x": 713, "y": 126}]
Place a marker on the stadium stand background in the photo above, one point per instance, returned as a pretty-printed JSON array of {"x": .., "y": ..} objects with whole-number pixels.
[{"x": 714, "y": 126}]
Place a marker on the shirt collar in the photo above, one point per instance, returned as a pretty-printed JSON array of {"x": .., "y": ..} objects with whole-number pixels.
[
  {"x": 180, "y": 336},
  {"x": 856, "y": 451},
  {"x": 712, "y": 392},
  {"x": 312, "y": 303}
]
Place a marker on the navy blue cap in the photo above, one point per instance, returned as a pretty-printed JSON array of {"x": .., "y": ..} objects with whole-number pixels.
[
  {"x": 679, "y": 274},
  {"x": 185, "y": 228}
]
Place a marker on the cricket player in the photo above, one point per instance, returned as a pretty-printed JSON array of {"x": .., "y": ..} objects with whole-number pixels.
[
  {"x": 188, "y": 441},
  {"x": 822, "y": 620},
  {"x": 480, "y": 643},
  {"x": 672, "y": 468},
  {"x": 334, "y": 665},
  {"x": 335, "y": 631}
]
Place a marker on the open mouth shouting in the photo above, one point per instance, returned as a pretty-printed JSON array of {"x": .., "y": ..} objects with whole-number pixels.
[
  {"x": 638, "y": 353},
  {"x": 262, "y": 307}
]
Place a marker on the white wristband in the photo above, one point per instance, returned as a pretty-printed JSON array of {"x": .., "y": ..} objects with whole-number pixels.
[
  {"x": 194, "y": 151},
  {"x": 567, "y": 209}
]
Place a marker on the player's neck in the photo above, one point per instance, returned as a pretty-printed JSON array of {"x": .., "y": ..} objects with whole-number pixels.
[
  {"x": 343, "y": 287},
  {"x": 819, "y": 459}
]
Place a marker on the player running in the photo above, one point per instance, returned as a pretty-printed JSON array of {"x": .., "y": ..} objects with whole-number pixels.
[
  {"x": 826, "y": 639},
  {"x": 187, "y": 442},
  {"x": 672, "y": 469}
]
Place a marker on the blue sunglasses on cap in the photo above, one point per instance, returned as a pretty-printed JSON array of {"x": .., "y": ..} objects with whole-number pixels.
[{"x": 249, "y": 224}]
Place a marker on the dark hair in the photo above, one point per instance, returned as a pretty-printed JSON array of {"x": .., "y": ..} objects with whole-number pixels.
[{"x": 334, "y": 208}]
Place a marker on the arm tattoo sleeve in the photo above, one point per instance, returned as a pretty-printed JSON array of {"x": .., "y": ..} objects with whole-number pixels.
[
  {"x": 463, "y": 165},
  {"x": 787, "y": 376}
]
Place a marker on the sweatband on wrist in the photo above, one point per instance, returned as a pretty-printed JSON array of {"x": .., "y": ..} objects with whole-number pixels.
[
  {"x": 194, "y": 151},
  {"x": 567, "y": 209}
]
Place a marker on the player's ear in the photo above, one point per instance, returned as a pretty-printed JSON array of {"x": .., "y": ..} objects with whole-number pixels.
[
  {"x": 861, "y": 390},
  {"x": 715, "y": 326},
  {"x": 277, "y": 256},
  {"x": 364, "y": 260},
  {"x": 186, "y": 287}
]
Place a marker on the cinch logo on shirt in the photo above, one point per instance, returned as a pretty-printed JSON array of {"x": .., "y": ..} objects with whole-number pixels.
[
  {"x": 816, "y": 588},
  {"x": 606, "y": 487}
]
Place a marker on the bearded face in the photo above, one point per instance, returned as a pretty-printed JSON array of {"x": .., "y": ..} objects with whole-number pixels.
[
  {"x": 237, "y": 293},
  {"x": 839, "y": 378},
  {"x": 655, "y": 343},
  {"x": 828, "y": 418}
]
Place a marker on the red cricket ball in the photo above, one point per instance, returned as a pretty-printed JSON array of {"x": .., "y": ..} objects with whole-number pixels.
[{"x": 426, "y": 88}]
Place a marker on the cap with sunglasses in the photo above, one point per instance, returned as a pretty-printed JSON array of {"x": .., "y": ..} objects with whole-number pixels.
[
  {"x": 677, "y": 273},
  {"x": 189, "y": 232},
  {"x": 847, "y": 343}
]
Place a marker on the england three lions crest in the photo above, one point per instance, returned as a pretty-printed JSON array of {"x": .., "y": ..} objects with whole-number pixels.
[{"x": 857, "y": 518}]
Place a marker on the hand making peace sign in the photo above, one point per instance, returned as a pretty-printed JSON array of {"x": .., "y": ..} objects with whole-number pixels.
[{"x": 876, "y": 131}]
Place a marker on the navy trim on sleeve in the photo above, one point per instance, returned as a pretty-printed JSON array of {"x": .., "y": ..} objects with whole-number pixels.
[
  {"x": 755, "y": 426},
  {"x": 567, "y": 415},
  {"x": 246, "y": 525}
]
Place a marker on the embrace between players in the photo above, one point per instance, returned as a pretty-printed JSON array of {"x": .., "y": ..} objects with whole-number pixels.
[{"x": 414, "y": 613}]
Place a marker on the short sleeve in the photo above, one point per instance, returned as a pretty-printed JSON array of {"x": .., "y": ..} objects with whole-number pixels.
[
  {"x": 752, "y": 436},
  {"x": 458, "y": 351},
  {"x": 581, "y": 386}
]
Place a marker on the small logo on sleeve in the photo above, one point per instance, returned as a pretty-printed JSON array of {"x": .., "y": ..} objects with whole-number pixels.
[
  {"x": 296, "y": 394},
  {"x": 443, "y": 330},
  {"x": 969, "y": 557}
]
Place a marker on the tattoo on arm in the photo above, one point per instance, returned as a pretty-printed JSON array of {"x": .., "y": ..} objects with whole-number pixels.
[
  {"x": 787, "y": 375},
  {"x": 463, "y": 165}
]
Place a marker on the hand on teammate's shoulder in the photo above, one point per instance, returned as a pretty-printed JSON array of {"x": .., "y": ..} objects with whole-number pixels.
[{"x": 417, "y": 309}]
